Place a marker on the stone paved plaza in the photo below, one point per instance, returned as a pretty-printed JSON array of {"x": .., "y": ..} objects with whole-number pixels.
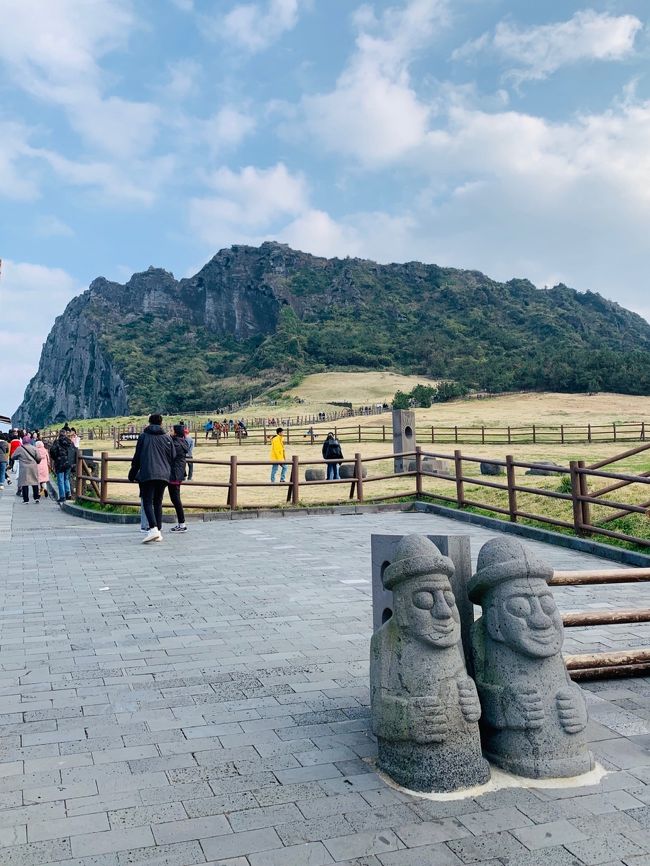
[{"x": 206, "y": 700}]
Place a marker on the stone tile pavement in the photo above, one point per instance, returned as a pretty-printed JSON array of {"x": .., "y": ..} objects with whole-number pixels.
[{"x": 205, "y": 700}]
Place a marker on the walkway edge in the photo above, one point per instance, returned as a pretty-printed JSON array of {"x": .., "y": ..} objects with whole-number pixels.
[{"x": 584, "y": 545}]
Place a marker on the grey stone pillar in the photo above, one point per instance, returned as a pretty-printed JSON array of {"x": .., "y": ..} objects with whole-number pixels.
[
  {"x": 457, "y": 548},
  {"x": 403, "y": 436}
]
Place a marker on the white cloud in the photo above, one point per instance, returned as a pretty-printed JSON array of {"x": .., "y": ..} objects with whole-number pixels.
[
  {"x": 50, "y": 226},
  {"x": 255, "y": 26},
  {"x": 247, "y": 203},
  {"x": 55, "y": 58},
  {"x": 227, "y": 128},
  {"x": 138, "y": 183},
  {"x": 374, "y": 113},
  {"x": 33, "y": 296},
  {"x": 183, "y": 76},
  {"x": 15, "y": 179},
  {"x": 541, "y": 50}
]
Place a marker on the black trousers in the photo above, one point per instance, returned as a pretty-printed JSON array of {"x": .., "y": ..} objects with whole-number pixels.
[
  {"x": 175, "y": 496},
  {"x": 35, "y": 492},
  {"x": 152, "y": 493}
]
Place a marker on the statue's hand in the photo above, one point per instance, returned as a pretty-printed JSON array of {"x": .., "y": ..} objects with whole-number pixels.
[
  {"x": 470, "y": 705},
  {"x": 428, "y": 720},
  {"x": 529, "y": 704},
  {"x": 571, "y": 710}
]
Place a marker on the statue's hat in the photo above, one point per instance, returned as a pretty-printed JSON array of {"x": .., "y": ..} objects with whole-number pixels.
[
  {"x": 415, "y": 556},
  {"x": 503, "y": 559}
]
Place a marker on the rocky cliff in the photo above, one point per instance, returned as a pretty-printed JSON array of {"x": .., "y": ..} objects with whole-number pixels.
[{"x": 252, "y": 317}]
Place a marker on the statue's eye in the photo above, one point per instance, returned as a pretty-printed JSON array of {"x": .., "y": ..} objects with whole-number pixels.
[
  {"x": 449, "y": 598},
  {"x": 547, "y": 603},
  {"x": 423, "y": 600},
  {"x": 518, "y": 605}
]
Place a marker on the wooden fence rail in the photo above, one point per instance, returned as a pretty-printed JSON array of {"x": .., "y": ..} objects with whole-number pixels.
[
  {"x": 425, "y": 481},
  {"x": 312, "y": 428}
]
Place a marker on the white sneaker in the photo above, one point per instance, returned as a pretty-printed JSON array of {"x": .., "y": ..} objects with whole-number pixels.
[
  {"x": 2, "y": 487},
  {"x": 159, "y": 537},
  {"x": 152, "y": 535}
]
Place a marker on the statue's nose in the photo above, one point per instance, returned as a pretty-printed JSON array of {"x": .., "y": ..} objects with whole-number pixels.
[
  {"x": 440, "y": 609},
  {"x": 537, "y": 618}
]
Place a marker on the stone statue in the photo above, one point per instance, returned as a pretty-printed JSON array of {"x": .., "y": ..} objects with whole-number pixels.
[
  {"x": 425, "y": 708},
  {"x": 533, "y": 716}
]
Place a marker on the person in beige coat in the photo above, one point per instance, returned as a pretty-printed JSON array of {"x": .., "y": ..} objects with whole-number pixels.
[{"x": 28, "y": 459}]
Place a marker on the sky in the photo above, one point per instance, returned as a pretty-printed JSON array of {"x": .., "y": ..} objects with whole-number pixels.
[{"x": 500, "y": 135}]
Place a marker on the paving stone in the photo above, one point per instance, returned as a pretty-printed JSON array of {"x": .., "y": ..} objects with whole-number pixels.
[
  {"x": 431, "y": 832},
  {"x": 249, "y": 842},
  {"x": 40, "y": 831},
  {"x": 266, "y": 816},
  {"x": 602, "y": 849},
  {"x": 361, "y": 844},
  {"x": 190, "y": 828},
  {"x": 111, "y": 840},
  {"x": 548, "y": 835},
  {"x": 431, "y": 855},
  {"x": 138, "y": 816},
  {"x": 309, "y": 854},
  {"x": 494, "y": 820},
  {"x": 489, "y": 846}
]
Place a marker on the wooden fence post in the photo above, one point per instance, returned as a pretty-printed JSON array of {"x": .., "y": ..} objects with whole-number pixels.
[
  {"x": 509, "y": 439},
  {"x": 418, "y": 470},
  {"x": 575, "y": 497},
  {"x": 614, "y": 429},
  {"x": 383, "y": 432},
  {"x": 288, "y": 434},
  {"x": 512, "y": 493},
  {"x": 534, "y": 435},
  {"x": 78, "y": 481},
  {"x": 584, "y": 491},
  {"x": 482, "y": 434},
  {"x": 232, "y": 488},
  {"x": 588, "y": 432},
  {"x": 456, "y": 434},
  {"x": 295, "y": 480},
  {"x": 433, "y": 439},
  {"x": 264, "y": 427},
  {"x": 643, "y": 431},
  {"x": 460, "y": 484},
  {"x": 359, "y": 432},
  {"x": 103, "y": 484},
  {"x": 358, "y": 471},
  {"x": 562, "y": 433}
]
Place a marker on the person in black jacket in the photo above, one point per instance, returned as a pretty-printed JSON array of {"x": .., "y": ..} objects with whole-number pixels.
[
  {"x": 332, "y": 451},
  {"x": 177, "y": 475},
  {"x": 63, "y": 458},
  {"x": 151, "y": 467}
]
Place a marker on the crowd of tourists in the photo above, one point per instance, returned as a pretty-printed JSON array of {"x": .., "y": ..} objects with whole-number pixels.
[
  {"x": 33, "y": 458},
  {"x": 217, "y": 429}
]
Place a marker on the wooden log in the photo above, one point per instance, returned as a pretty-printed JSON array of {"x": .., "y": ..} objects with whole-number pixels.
[
  {"x": 604, "y": 617},
  {"x": 608, "y": 659},
  {"x": 639, "y": 670},
  {"x": 598, "y": 576}
]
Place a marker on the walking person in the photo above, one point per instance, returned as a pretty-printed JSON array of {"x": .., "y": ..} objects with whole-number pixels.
[
  {"x": 177, "y": 475},
  {"x": 63, "y": 457},
  {"x": 43, "y": 467},
  {"x": 28, "y": 460},
  {"x": 332, "y": 451},
  {"x": 190, "y": 453},
  {"x": 4, "y": 458},
  {"x": 15, "y": 439},
  {"x": 151, "y": 465},
  {"x": 278, "y": 456}
]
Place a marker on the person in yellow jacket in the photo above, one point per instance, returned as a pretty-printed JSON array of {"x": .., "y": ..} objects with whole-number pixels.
[{"x": 278, "y": 456}]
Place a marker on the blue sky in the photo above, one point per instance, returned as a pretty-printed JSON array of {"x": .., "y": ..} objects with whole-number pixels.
[{"x": 501, "y": 135}]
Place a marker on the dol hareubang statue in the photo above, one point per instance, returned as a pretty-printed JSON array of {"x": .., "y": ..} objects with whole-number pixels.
[
  {"x": 424, "y": 706},
  {"x": 533, "y": 716}
]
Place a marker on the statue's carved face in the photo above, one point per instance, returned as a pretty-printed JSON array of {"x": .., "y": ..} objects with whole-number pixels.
[
  {"x": 426, "y": 609},
  {"x": 523, "y": 615}
]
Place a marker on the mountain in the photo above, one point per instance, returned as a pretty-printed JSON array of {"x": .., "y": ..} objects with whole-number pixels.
[{"x": 255, "y": 317}]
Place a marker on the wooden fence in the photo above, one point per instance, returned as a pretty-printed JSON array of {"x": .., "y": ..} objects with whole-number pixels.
[
  {"x": 425, "y": 481},
  {"x": 306, "y": 428}
]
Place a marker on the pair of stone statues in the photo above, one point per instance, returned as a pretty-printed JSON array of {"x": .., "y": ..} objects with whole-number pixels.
[{"x": 433, "y": 722}]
